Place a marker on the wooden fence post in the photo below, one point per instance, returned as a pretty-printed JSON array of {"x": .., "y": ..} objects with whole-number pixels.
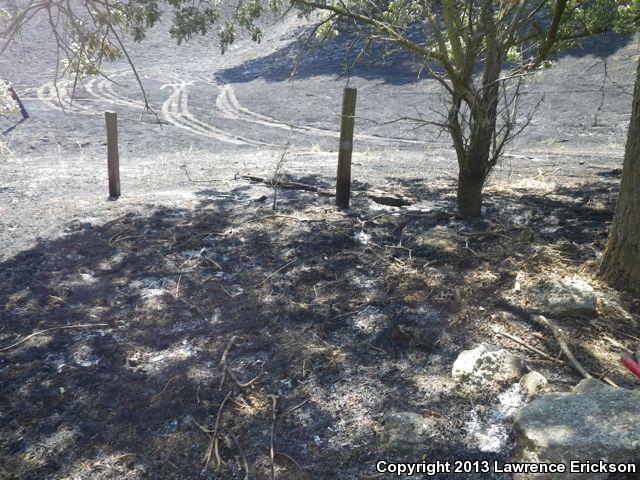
[
  {"x": 343, "y": 181},
  {"x": 113, "y": 160}
]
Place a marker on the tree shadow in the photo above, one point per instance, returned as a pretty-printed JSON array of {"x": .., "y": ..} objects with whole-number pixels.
[
  {"x": 303, "y": 59},
  {"x": 340, "y": 315},
  {"x": 136, "y": 314},
  {"x": 601, "y": 46}
]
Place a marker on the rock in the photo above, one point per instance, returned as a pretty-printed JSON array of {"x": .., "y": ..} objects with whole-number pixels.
[
  {"x": 484, "y": 364},
  {"x": 570, "y": 296},
  {"x": 409, "y": 431},
  {"x": 440, "y": 238},
  {"x": 533, "y": 383},
  {"x": 593, "y": 422},
  {"x": 517, "y": 283}
]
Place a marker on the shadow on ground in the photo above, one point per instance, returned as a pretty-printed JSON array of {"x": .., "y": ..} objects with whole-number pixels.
[
  {"x": 302, "y": 59},
  {"x": 339, "y": 317}
]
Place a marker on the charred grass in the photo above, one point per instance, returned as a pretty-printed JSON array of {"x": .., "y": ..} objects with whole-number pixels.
[{"x": 329, "y": 320}]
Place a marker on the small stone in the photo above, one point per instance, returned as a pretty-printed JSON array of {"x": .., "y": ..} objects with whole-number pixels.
[
  {"x": 484, "y": 364},
  {"x": 533, "y": 383},
  {"x": 409, "y": 430},
  {"x": 570, "y": 296},
  {"x": 289, "y": 253},
  {"x": 517, "y": 283}
]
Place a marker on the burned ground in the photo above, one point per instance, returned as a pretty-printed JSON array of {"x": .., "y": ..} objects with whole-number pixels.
[{"x": 340, "y": 317}]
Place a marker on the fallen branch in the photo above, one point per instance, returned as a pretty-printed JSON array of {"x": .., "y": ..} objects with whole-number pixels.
[
  {"x": 207, "y": 455},
  {"x": 226, "y": 370},
  {"x": 277, "y": 271},
  {"x": 384, "y": 198},
  {"x": 564, "y": 347},
  {"x": 289, "y": 185},
  {"x": 528, "y": 346},
  {"x": 557, "y": 333},
  {"x": 273, "y": 427},
  {"x": 213, "y": 437},
  {"x": 377, "y": 196},
  {"x": 46, "y": 330}
]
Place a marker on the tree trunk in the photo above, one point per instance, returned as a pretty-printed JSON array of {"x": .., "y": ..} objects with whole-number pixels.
[
  {"x": 474, "y": 157},
  {"x": 23, "y": 111},
  {"x": 621, "y": 261},
  {"x": 470, "y": 194}
]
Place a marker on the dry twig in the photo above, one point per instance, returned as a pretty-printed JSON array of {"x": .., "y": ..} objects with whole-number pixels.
[
  {"x": 563, "y": 345},
  {"x": 214, "y": 434},
  {"x": 46, "y": 330},
  {"x": 273, "y": 427},
  {"x": 153, "y": 399},
  {"x": 528, "y": 346},
  {"x": 557, "y": 333},
  {"x": 295, "y": 407},
  {"x": 277, "y": 271},
  {"x": 226, "y": 370}
]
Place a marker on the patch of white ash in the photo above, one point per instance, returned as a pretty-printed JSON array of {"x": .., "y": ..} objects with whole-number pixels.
[
  {"x": 354, "y": 408},
  {"x": 489, "y": 432},
  {"x": 370, "y": 320},
  {"x": 156, "y": 361},
  {"x": 57, "y": 361},
  {"x": 362, "y": 237},
  {"x": 83, "y": 356},
  {"x": 81, "y": 279},
  {"x": 364, "y": 281},
  {"x": 151, "y": 287}
]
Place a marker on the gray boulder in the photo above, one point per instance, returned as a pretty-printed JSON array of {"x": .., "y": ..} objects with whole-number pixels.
[
  {"x": 570, "y": 296},
  {"x": 409, "y": 431},
  {"x": 484, "y": 364},
  {"x": 594, "y": 422}
]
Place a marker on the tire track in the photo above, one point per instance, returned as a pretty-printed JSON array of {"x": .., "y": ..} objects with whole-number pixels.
[
  {"x": 104, "y": 91},
  {"x": 175, "y": 110},
  {"x": 228, "y": 103},
  {"x": 60, "y": 99}
]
